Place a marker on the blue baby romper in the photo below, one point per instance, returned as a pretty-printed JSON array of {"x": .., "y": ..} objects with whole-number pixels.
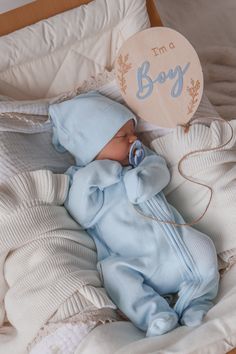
[{"x": 140, "y": 259}]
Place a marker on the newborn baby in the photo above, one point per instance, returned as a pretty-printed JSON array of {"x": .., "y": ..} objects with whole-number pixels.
[{"x": 116, "y": 179}]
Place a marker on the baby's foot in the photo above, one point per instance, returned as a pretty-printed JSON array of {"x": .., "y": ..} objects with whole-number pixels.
[
  {"x": 163, "y": 323},
  {"x": 192, "y": 317}
]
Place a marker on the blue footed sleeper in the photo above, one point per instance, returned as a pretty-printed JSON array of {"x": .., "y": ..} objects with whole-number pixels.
[{"x": 140, "y": 259}]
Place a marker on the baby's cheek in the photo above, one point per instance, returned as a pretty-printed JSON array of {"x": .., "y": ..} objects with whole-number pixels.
[
  {"x": 126, "y": 150},
  {"x": 123, "y": 154}
]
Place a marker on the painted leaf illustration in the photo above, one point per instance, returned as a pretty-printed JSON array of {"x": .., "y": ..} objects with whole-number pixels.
[
  {"x": 123, "y": 68},
  {"x": 193, "y": 93}
]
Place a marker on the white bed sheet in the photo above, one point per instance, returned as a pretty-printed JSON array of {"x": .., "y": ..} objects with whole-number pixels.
[
  {"x": 211, "y": 28},
  {"x": 217, "y": 335}
]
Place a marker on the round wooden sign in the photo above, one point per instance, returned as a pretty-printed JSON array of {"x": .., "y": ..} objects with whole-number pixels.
[{"x": 160, "y": 76}]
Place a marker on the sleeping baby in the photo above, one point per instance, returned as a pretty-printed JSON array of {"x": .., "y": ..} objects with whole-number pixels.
[{"x": 144, "y": 251}]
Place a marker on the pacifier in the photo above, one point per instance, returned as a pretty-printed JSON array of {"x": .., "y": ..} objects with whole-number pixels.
[{"x": 136, "y": 153}]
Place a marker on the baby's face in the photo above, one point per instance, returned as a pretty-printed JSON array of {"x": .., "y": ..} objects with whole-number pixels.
[{"x": 118, "y": 147}]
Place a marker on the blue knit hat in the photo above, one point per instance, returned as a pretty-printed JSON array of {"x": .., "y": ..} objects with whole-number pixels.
[{"x": 86, "y": 123}]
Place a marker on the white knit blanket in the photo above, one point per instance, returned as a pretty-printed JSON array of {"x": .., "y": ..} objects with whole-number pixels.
[
  {"x": 216, "y": 169},
  {"x": 47, "y": 262}
]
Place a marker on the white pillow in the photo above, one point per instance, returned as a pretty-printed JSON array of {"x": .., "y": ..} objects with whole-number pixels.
[{"x": 56, "y": 55}]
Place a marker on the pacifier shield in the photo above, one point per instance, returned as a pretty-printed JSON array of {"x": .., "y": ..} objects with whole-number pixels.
[{"x": 136, "y": 153}]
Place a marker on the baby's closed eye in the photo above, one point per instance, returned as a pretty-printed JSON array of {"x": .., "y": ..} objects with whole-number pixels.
[{"x": 121, "y": 137}]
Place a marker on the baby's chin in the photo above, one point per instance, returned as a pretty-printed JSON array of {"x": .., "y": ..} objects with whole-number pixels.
[{"x": 125, "y": 162}]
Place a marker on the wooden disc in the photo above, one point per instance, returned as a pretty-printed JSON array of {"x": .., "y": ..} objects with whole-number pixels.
[{"x": 160, "y": 76}]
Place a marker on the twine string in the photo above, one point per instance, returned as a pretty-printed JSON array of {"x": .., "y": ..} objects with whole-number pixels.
[{"x": 190, "y": 179}]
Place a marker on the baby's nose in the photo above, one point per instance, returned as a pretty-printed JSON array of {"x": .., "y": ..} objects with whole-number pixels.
[{"x": 132, "y": 138}]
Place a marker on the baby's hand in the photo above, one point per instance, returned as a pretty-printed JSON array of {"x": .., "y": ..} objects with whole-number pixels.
[{"x": 136, "y": 153}]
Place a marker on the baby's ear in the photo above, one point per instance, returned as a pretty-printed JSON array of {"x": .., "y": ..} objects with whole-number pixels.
[{"x": 134, "y": 120}]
